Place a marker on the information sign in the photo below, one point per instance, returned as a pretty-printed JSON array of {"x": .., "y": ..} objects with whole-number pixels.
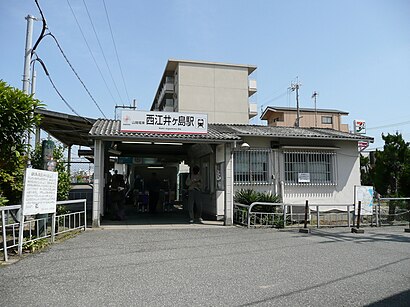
[
  {"x": 163, "y": 122},
  {"x": 364, "y": 194},
  {"x": 40, "y": 192},
  {"x": 303, "y": 177}
]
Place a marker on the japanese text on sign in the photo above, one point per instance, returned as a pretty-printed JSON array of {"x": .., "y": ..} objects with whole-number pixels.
[
  {"x": 163, "y": 122},
  {"x": 40, "y": 191}
]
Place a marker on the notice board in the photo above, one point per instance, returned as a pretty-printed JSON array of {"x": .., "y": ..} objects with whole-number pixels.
[
  {"x": 40, "y": 192},
  {"x": 365, "y": 195}
]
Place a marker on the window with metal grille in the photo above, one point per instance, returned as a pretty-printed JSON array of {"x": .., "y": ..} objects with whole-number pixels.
[
  {"x": 251, "y": 166},
  {"x": 310, "y": 167}
]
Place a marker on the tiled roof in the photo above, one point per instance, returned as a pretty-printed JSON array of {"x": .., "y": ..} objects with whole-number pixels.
[
  {"x": 111, "y": 128},
  {"x": 104, "y": 128},
  {"x": 292, "y": 132}
]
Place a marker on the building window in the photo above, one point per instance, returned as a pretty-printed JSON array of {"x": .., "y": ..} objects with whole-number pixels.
[
  {"x": 310, "y": 168},
  {"x": 251, "y": 166},
  {"x": 327, "y": 120}
]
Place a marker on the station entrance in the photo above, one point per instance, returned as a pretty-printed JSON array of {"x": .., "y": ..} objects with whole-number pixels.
[{"x": 145, "y": 182}]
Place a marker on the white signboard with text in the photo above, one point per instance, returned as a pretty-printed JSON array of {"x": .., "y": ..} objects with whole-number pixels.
[
  {"x": 163, "y": 122},
  {"x": 40, "y": 192},
  {"x": 364, "y": 194},
  {"x": 303, "y": 177}
]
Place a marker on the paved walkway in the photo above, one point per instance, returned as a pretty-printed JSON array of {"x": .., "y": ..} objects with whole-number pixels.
[{"x": 219, "y": 266}]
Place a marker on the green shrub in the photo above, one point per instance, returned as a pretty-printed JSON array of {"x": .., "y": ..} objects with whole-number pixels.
[{"x": 249, "y": 196}]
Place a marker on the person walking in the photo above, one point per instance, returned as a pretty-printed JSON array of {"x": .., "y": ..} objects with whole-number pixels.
[{"x": 194, "y": 194}]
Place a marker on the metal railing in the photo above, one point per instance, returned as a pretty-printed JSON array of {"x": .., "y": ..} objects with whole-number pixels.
[
  {"x": 322, "y": 215},
  {"x": 392, "y": 211},
  {"x": 38, "y": 228},
  {"x": 291, "y": 215},
  {"x": 259, "y": 214}
]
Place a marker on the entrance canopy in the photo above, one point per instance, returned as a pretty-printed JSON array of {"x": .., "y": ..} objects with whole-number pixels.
[{"x": 68, "y": 129}]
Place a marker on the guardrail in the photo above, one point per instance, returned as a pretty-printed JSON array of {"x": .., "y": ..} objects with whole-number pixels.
[
  {"x": 292, "y": 215},
  {"x": 59, "y": 224},
  {"x": 284, "y": 215}
]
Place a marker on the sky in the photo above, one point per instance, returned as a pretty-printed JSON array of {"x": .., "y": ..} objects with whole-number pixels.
[{"x": 354, "y": 53}]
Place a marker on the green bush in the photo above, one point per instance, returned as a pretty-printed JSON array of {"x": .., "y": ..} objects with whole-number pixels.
[
  {"x": 249, "y": 196},
  {"x": 16, "y": 118},
  {"x": 64, "y": 184}
]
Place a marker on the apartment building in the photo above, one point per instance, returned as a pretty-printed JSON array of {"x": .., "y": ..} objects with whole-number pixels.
[
  {"x": 222, "y": 91},
  {"x": 309, "y": 118}
]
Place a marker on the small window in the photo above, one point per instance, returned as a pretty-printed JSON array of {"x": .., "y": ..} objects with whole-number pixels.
[
  {"x": 327, "y": 120},
  {"x": 319, "y": 167},
  {"x": 251, "y": 166}
]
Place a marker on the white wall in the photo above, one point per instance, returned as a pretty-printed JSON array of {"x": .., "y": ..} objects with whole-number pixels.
[{"x": 348, "y": 175}]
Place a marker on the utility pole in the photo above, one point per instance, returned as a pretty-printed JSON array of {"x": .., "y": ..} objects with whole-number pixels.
[
  {"x": 314, "y": 96},
  {"x": 295, "y": 87},
  {"x": 33, "y": 92},
  {"x": 27, "y": 53}
]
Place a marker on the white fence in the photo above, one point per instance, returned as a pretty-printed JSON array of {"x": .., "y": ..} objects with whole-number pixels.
[{"x": 39, "y": 228}]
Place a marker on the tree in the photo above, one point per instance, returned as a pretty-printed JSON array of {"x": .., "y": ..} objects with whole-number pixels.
[
  {"x": 64, "y": 184},
  {"x": 392, "y": 168},
  {"x": 16, "y": 118},
  {"x": 365, "y": 171}
]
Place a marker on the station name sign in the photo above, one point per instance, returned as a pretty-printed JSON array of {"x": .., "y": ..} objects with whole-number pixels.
[{"x": 163, "y": 122}]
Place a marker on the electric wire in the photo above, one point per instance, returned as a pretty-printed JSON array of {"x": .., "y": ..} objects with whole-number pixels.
[
  {"x": 116, "y": 52},
  {"x": 43, "y": 29},
  {"x": 91, "y": 52},
  {"x": 102, "y": 50},
  {"x": 56, "y": 89},
  {"x": 390, "y": 125},
  {"x": 42, "y": 35},
  {"x": 75, "y": 72},
  {"x": 275, "y": 98}
]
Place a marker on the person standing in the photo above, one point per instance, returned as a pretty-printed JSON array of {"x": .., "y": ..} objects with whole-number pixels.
[
  {"x": 117, "y": 187},
  {"x": 194, "y": 194},
  {"x": 153, "y": 189}
]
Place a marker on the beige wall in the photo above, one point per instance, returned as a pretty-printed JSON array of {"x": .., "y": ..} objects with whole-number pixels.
[
  {"x": 307, "y": 120},
  {"x": 219, "y": 91}
]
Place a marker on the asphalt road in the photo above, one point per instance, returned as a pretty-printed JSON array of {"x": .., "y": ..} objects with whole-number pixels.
[{"x": 228, "y": 266}]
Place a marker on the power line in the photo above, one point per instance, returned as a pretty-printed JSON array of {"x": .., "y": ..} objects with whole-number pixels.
[
  {"x": 57, "y": 91},
  {"x": 390, "y": 125},
  {"x": 116, "y": 52},
  {"x": 102, "y": 50},
  {"x": 275, "y": 98},
  {"x": 91, "y": 52},
  {"x": 42, "y": 35},
  {"x": 75, "y": 72}
]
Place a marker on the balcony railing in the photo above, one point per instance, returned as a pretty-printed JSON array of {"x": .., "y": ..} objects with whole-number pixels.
[
  {"x": 253, "y": 110},
  {"x": 252, "y": 87}
]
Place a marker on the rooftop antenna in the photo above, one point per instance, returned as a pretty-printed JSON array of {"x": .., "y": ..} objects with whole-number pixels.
[
  {"x": 294, "y": 86},
  {"x": 314, "y": 96}
]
